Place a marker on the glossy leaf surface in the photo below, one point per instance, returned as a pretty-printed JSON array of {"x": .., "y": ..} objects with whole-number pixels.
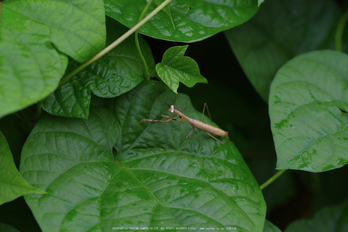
[
  {"x": 308, "y": 105},
  {"x": 262, "y": 46},
  {"x": 117, "y": 72},
  {"x": 12, "y": 184},
  {"x": 175, "y": 68},
  {"x": 193, "y": 20},
  {"x": 147, "y": 183},
  {"x": 35, "y": 39},
  {"x": 333, "y": 218}
]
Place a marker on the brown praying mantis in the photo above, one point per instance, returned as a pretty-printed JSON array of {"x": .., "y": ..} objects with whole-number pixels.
[{"x": 200, "y": 125}]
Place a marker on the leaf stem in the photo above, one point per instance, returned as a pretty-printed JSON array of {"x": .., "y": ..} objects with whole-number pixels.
[
  {"x": 115, "y": 43},
  {"x": 136, "y": 35},
  {"x": 38, "y": 109},
  {"x": 273, "y": 178},
  {"x": 339, "y": 31}
]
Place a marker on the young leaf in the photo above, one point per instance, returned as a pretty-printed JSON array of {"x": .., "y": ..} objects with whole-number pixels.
[
  {"x": 12, "y": 184},
  {"x": 33, "y": 38},
  {"x": 262, "y": 46},
  {"x": 112, "y": 75},
  {"x": 310, "y": 131},
  {"x": 146, "y": 184},
  {"x": 175, "y": 68},
  {"x": 333, "y": 218},
  {"x": 194, "y": 20}
]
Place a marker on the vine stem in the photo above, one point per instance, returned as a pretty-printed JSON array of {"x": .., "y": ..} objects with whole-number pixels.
[
  {"x": 273, "y": 178},
  {"x": 38, "y": 110},
  {"x": 115, "y": 43},
  {"x": 339, "y": 31},
  {"x": 137, "y": 44}
]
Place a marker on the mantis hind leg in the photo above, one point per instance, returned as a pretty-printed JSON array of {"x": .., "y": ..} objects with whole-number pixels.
[{"x": 215, "y": 138}]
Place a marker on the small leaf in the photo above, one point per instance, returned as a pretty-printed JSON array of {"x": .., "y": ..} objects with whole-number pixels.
[
  {"x": 262, "y": 46},
  {"x": 333, "y": 218},
  {"x": 194, "y": 20},
  {"x": 310, "y": 132},
  {"x": 175, "y": 68},
  {"x": 112, "y": 75},
  {"x": 12, "y": 184},
  {"x": 35, "y": 39},
  {"x": 147, "y": 184}
]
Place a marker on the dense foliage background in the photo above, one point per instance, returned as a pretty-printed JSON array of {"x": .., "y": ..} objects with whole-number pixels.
[{"x": 98, "y": 170}]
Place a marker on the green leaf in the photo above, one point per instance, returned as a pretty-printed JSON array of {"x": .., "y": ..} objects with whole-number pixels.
[
  {"x": 333, "y": 218},
  {"x": 310, "y": 130},
  {"x": 269, "y": 227},
  {"x": 175, "y": 68},
  {"x": 7, "y": 228},
  {"x": 193, "y": 20},
  {"x": 262, "y": 45},
  {"x": 12, "y": 184},
  {"x": 35, "y": 38},
  {"x": 112, "y": 75},
  {"x": 147, "y": 183}
]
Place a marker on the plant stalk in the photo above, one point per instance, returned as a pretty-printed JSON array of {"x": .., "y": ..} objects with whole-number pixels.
[
  {"x": 273, "y": 178},
  {"x": 339, "y": 31},
  {"x": 137, "y": 44}
]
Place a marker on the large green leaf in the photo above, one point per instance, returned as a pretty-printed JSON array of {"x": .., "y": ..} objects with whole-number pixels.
[
  {"x": 112, "y": 75},
  {"x": 147, "y": 184},
  {"x": 333, "y": 218},
  {"x": 35, "y": 37},
  {"x": 12, "y": 184},
  {"x": 175, "y": 68},
  {"x": 308, "y": 105},
  {"x": 193, "y": 20},
  {"x": 262, "y": 45}
]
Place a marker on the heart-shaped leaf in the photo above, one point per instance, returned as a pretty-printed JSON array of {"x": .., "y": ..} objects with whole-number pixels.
[
  {"x": 175, "y": 68},
  {"x": 193, "y": 20},
  {"x": 308, "y": 104},
  {"x": 33, "y": 37},
  {"x": 333, "y": 218},
  {"x": 147, "y": 184},
  {"x": 112, "y": 75},
  {"x": 12, "y": 184},
  {"x": 262, "y": 46}
]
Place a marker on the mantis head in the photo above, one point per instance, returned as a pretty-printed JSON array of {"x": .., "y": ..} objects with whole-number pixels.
[{"x": 171, "y": 109}]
